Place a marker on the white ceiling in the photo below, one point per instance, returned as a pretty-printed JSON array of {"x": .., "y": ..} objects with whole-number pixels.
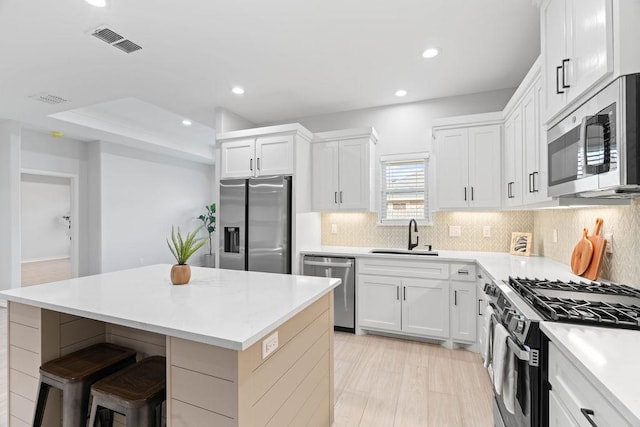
[{"x": 295, "y": 58}]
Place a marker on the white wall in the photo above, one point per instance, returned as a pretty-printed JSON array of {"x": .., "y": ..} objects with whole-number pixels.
[
  {"x": 9, "y": 204},
  {"x": 227, "y": 121},
  {"x": 44, "y": 201},
  {"x": 44, "y": 153},
  {"x": 406, "y": 128},
  {"x": 142, "y": 196}
]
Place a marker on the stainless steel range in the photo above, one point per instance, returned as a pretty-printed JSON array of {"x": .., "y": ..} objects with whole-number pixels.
[{"x": 521, "y": 303}]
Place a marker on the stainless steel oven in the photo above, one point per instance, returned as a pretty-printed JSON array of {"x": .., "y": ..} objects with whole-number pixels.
[{"x": 594, "y": 151}]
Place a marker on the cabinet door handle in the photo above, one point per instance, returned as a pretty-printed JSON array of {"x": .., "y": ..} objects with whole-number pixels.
[
  {"x": 508, "y": 190},
  {"x": 258, "y": 163},
  {"x": 465, "y": 194},
  {"x": 455, "y": 297},
  {"x": 464, "y": 272},
  {"x": 341, "y": 197},
  {"x": 251, "y": 164},
  {"x": 558, "y": 91},
  {"x": 472, "y": 194},
  {"x": 588, "y": 413},
  {"x": 479, "y": 307},
  {"x": 564, "y": 72},
  {"x": 398, "y": 293},
  {"x": 530, "y": 183},
  {"x": 335, "y": 197},
  {"x": 535, "y": 187}
]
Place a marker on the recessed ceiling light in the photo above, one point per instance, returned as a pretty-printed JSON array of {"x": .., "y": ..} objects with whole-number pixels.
[
  {"x": 97, "y": 3},
  {"x": 430, "y": 53},
  {"x": 238, "y": 90},
  {"x": 186, "y": 122},
  {"x": 401, "y": 92}
]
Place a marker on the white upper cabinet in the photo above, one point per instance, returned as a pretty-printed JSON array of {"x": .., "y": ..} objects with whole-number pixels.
[
  {"x": 525, "y": 146},
  {"x": 577, "y": 46},
  {"x": 274, "y": 155},
  {"x": 343, "y": 170},
  {"x": 512, "y": 188},
  {"x": 468, "y": 164},
  {"x": 255, "y": 157}
]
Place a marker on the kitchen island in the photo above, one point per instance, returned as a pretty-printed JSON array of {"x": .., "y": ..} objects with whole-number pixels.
[{"x": 242, "y": 348}]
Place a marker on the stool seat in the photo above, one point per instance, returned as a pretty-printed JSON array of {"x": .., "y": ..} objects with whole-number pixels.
[
  {"x": 74, "y": 374},
  {"x": 135, "y": 385},
  {"x": 85, "y": 363},
  {"x": 136, "y": 391}
]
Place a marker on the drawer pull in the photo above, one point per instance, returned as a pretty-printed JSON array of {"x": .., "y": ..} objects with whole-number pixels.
[
  {"x": 465, "y": 272},
  {"x": 588, "y": 413}
]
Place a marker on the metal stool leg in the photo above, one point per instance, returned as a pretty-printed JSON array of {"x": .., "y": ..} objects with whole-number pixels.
[{"x": 43, "y": 393}]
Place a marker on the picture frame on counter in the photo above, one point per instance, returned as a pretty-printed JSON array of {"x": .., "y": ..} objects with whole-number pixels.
[{"x": 521, "y": 243}]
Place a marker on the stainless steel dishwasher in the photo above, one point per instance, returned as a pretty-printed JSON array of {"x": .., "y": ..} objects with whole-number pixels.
[{"x": 344, "y": 306}]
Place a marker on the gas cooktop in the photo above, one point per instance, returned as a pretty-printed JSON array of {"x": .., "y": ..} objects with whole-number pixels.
[{"x": 589, "y": 303}]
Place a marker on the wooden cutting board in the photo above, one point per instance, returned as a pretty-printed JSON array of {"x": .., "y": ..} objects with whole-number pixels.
[
  {"x": 599, "y": 244},
  {"x": 581, "y": 256}
]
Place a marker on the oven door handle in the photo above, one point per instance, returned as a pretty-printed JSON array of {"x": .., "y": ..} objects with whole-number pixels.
[{"x": 520, "y": 353}]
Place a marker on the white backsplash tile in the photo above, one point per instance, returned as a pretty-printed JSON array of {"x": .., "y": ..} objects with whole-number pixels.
[{"x": 361, "y": 229}]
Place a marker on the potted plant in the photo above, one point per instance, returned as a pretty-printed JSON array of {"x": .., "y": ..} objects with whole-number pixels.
[
  {"x": 209, "y": 224},
  {"x": 182, "y": 249}
]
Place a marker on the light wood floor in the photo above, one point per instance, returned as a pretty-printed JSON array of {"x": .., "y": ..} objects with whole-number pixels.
[
  {"x": 384, "y": 382},
  {"x": 37, "y": 272}
]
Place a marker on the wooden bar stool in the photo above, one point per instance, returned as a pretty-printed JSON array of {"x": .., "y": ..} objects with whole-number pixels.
[
  {"x": 74, "y": 374},
  {"x": 136, "y": 392}
]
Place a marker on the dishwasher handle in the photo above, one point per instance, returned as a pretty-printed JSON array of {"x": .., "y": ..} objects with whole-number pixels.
[{"x": 347, "y": 264}]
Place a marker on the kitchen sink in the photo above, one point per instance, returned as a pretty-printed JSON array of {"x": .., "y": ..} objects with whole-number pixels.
[{"x": 404, "y": 252}]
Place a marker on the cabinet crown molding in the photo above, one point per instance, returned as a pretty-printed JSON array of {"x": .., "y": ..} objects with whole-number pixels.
[
  {"x": 344, "y": 134},
  {"x": 291, "y": 128}
]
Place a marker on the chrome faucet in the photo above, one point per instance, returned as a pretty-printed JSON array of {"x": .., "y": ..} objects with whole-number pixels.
[{"x": 415, "y": 229}]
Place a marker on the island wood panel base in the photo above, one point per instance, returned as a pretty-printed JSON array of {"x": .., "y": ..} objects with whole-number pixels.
[
  {"x": 294, "y": 385},
  {"x": 36, "y": 336}
]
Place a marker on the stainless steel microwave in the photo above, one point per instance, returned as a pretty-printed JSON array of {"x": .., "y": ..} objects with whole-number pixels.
[{"x": 595, "y": 150}]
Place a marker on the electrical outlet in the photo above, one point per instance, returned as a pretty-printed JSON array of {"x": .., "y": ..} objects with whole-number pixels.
[
  {"x": 486, "y": 231},
  {"x": 269, "y": 345},
  {"x": 334, "y": 228},
  {"x": 454, "y": 231},
  {"x": 609, "y": 239},
  {"x": 555, "y": 235}
]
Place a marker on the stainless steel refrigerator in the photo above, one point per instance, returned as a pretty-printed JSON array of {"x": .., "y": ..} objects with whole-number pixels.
[{"x": 255, "y": 224}]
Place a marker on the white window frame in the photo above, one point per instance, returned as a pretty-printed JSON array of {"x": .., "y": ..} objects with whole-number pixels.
[{"x": 382, "y": 186}]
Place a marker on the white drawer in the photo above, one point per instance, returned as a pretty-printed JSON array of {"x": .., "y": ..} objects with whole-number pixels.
[
  {"x": 463, "y": 272},
  {"x": 403, "y": 268},
  {"x": 577, "y": 393}
]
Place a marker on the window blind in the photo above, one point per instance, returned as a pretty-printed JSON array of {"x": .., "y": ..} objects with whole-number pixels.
[{"x": 404, "y": 191}]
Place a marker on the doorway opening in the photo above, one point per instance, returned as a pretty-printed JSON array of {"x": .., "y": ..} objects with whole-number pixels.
[{"x": 48, "y": 227}]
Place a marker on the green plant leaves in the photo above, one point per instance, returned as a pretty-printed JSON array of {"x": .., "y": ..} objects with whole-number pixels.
[{"x": 183, "y": 248}]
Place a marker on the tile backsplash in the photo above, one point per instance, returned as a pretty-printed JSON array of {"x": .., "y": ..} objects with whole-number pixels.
[
  {"x": 361, "y": 229},
  {"x": 623, "y": 221}
]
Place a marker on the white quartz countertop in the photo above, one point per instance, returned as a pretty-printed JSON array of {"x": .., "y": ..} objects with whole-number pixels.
[
  {"x": 498, "y": 265},
  {"x": 226, "y": 308},
  {"x": 607, "y": 357}
]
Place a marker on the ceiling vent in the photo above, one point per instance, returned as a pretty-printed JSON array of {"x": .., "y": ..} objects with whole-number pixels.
[
  {"x": 114, "y": 39},
  {"x": 47, "y": 98}
]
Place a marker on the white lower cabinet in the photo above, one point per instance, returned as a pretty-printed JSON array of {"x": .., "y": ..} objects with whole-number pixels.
[
  {"x": 463, "y": 311},
  {"x": 574, "y": 399},
  {"x": 425, "y": 308},
  {"x": 417, "y": 298},
  {"x": 380, "y": 305},
  {"x": 558, "y": 414}
]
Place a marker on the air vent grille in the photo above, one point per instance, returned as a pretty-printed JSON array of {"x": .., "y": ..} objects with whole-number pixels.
[
  {"x": 127, "y": 46},
  {"x": 114, "y": 39},
  {"x": 107, "y": 35},
  {"x": 47, "y": 98}
]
